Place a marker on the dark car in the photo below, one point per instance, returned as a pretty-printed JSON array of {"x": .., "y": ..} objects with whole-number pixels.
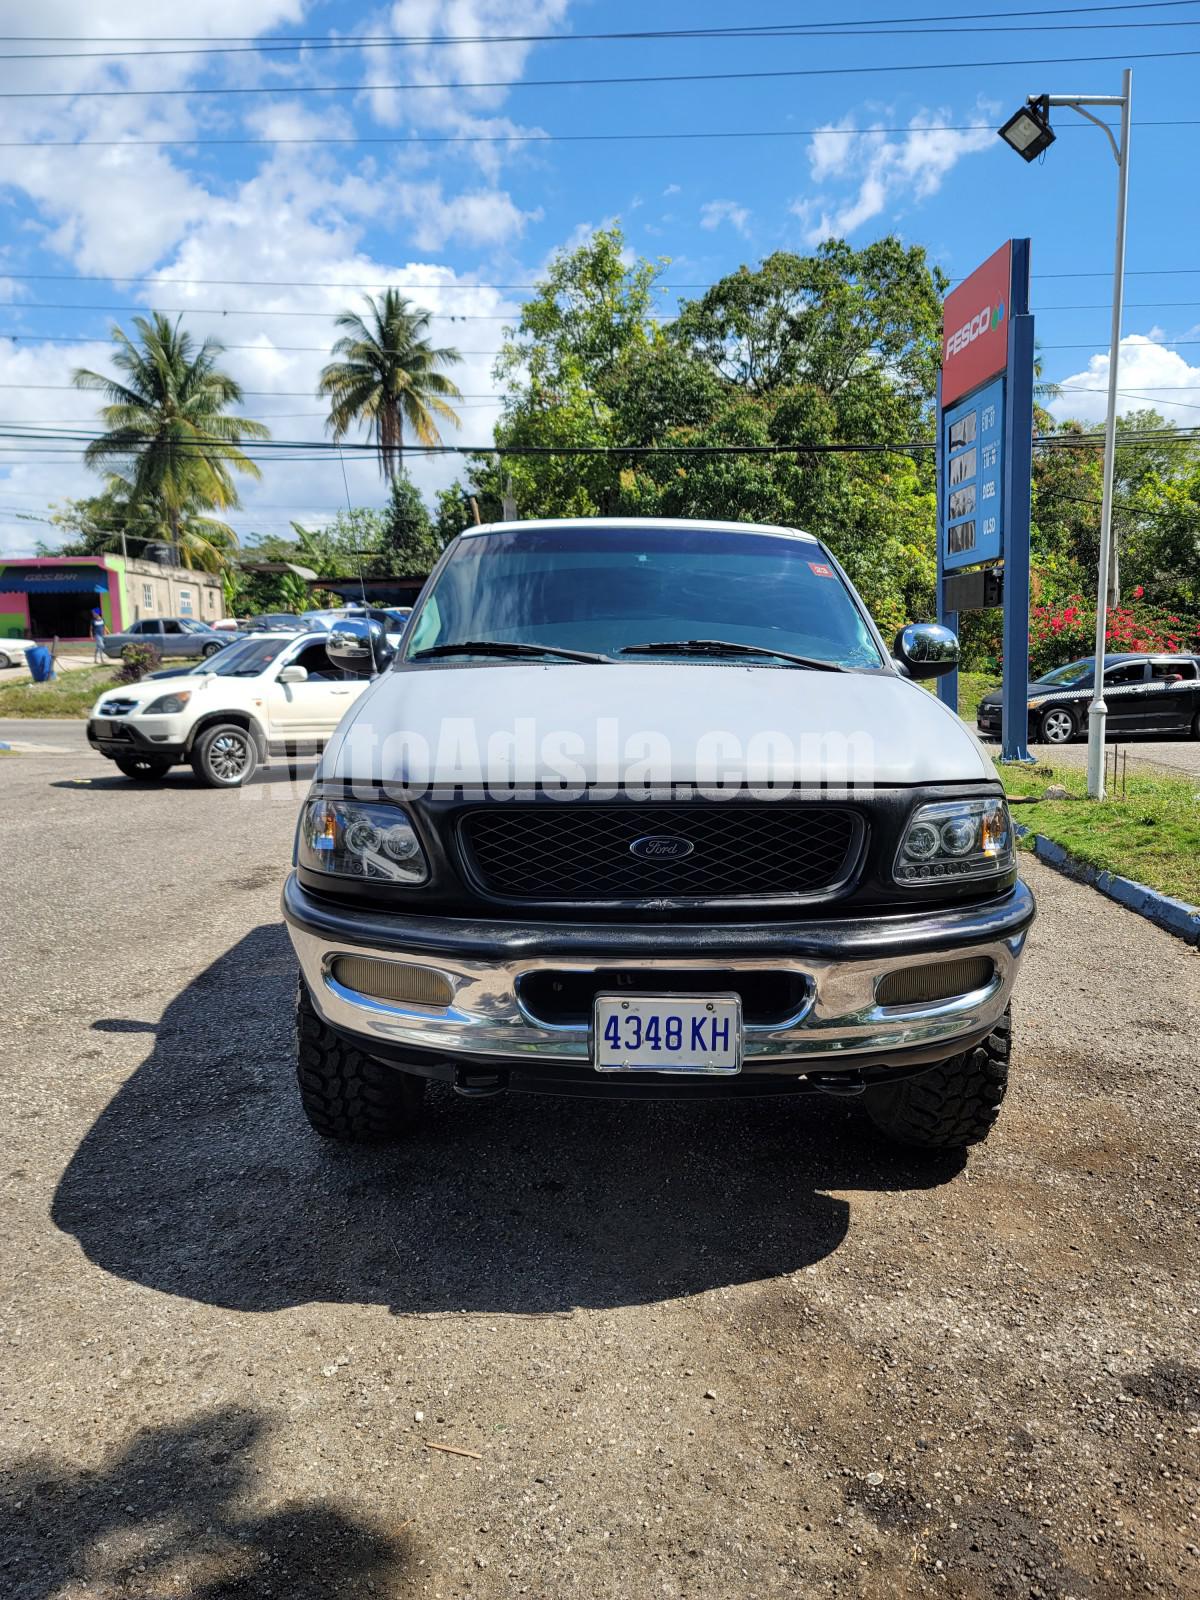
[
  {"x": 170, "y": 636},
  {"x": 272, "y": 622},
  {"x": 1148, "y": 694}
]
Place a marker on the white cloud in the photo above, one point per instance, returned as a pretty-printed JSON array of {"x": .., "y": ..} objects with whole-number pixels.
[
  {"x": 478, "y": 217},
  {"x": 672, "y": 188},
  {"x": 1149, "y": 376},
  {"x": 303, "y": 215},
  {"x": 714, "y": 212},
  {"x": 456, "y": 110},
  {"x": 886, "y": 171}
]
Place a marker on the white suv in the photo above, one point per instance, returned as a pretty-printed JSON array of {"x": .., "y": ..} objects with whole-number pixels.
[{"x": 269, "y": 694}]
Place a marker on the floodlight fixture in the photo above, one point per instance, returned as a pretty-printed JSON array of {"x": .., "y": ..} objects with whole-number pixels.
[{"x": 1028, "y": 130}]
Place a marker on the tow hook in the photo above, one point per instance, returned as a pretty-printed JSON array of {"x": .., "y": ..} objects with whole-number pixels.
[
  {"x": 842, "y": 1085},
  {"x": 476, "y": 1085}
]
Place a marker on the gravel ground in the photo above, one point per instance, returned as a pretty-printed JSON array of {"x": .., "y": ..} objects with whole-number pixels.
[
  {"x": 698, "y": 1351},
  {"x": 1166, "y": 757}
]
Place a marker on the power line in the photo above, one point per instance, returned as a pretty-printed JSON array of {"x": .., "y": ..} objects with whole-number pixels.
[
  {"x": 769, "y": 29},
  {"x": 536, "y": 138},
  {"x": 320, "y": 283},
  {"x": 657, "y": 36},
  {"x": 777, "y": 73},
  {"x": 329, "y": 314}
]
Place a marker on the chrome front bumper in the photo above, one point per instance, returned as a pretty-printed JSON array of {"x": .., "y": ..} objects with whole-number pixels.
[{"x": 841, "y": 1021}]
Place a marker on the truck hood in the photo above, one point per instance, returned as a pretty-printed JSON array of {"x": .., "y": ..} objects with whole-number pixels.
[{"x": 629, "y": 724}]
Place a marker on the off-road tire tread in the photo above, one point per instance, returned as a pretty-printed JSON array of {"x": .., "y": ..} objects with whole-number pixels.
[
  {"x": 347, "y": 1095},
  {"x": 953, "y": 1104}
]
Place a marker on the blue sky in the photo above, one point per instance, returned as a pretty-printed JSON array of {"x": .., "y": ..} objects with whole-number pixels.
[{"x": 444, "y": 191}]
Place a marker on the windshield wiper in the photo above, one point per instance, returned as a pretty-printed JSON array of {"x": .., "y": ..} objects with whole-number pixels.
[
  {"x": 502, "y": 647},
  {"x": 726, "y": 647}
]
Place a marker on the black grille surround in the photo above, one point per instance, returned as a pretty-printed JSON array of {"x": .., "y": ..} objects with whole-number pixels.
[{"x": 579, "y": 852}]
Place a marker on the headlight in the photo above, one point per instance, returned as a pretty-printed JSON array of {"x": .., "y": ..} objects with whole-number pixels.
[
  {"x": 168, "y": 703},
  {"x": 957, "y": 839},
  {"x": 354, "y": 840}
]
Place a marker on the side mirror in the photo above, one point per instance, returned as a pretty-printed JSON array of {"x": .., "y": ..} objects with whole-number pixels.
[
  {"x": 927, "y": 649},
  {"x": 360, "y": 647},
  {"x": 293, "y": 675}
]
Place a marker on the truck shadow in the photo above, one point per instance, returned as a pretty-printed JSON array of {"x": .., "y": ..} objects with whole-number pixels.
[
  {"x": 201, "y": 1179},
  {"x": 171, "y": 1512}
]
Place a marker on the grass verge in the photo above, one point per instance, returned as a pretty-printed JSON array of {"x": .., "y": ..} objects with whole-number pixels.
[
  {"x": 1151, "y": 834},
  {"x": 72, "y": 694},
  {"x": 972, "y": 686}
]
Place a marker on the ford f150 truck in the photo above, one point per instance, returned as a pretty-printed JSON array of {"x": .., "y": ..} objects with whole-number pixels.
[{"x": 648, "y": 808}]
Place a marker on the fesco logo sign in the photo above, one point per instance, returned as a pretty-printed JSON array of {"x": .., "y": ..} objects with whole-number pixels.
[
  {"x": 975, "y": 327},
  {"x": 982, "y": 322}
]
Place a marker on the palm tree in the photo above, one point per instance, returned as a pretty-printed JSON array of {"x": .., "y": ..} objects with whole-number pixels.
[
  {"x": 167, "y": 422},
  {"x": 385, "y": 374}
]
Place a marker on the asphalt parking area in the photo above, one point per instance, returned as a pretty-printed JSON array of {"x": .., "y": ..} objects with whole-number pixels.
[{"x": 693, "y": 1351}]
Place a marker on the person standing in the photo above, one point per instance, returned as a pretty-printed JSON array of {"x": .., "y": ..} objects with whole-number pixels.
[{"x": 98, "y": 632}]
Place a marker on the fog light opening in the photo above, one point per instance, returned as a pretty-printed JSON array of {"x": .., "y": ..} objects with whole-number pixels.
[
  {"x": 395, "y": 982},
  {"x": 937, "y": 980}
]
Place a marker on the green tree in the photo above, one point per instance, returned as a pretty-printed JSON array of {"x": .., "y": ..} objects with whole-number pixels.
[
  {"x": 409, "y": 546},
  {"x": 171, "y": 445},
  {"x": 385, "y": 375}
]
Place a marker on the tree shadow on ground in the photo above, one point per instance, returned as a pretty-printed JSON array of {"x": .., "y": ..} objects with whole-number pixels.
[
  {"x": 172, "y": 1512},
  {"x": 202, "y": 1179}
]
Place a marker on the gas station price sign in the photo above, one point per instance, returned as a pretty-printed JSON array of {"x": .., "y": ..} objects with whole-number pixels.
[{"x": 972, "y": 478}]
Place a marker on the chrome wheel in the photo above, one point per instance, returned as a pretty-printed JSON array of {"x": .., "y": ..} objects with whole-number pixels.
[
  {"x": 229, "y": 757},
  {"x": 1057, "y": 727}
]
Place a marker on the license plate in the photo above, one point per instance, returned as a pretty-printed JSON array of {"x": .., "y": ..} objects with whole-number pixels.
[{"x": 667, "y": 1033}]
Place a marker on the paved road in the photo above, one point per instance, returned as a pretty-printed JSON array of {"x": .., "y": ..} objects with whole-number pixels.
[{"x": 700, "y": 1352}]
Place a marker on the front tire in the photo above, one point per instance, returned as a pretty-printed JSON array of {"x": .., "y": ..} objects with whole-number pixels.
[
  {"x": 211, "y": 650},
  {"x": 952, "y": 1105},
  {"x": 347, "y": 1095},
  {"x": 225, "y": 756},
  {"x": 5, "y": 660},
  {"x": 144, "y": 769},
  {"x": 1057, "y": 726}
]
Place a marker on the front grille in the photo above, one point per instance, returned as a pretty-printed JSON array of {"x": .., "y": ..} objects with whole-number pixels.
[
  {"x": 575, "y": 850},
  {"x": 117, "y": 708}
]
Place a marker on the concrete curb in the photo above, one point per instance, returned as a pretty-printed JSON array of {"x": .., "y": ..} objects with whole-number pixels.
[{"x": 1174, "y": 916}]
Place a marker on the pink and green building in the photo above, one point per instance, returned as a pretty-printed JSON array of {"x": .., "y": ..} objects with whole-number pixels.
[{"x": 52, "y": 597}]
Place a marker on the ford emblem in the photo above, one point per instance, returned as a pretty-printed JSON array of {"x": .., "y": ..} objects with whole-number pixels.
[{"x": 661, "y": 847}]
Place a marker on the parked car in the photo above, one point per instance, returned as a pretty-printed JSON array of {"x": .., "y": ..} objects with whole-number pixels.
[
  {"x": 170, "y": 636},
  {"x": 272, "y": 622},
  {"x": 269, "y": 694},
  {"x": 14, "y": 651},
  {"x": 648, "y": 808},
  {"x": 1156, "y": 694},
  {"x": 386, "y": 618}
]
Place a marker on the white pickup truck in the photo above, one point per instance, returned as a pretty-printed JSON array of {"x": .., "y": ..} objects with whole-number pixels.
[
  {"x": 268, "y": 694},
  {"x": 649, "y": 808}
]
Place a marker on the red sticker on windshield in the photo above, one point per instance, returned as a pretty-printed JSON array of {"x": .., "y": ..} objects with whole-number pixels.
[{"x": 820, "y": 570}]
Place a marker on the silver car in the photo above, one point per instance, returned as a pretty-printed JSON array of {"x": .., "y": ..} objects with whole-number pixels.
[{"x": 170, "y": 636}]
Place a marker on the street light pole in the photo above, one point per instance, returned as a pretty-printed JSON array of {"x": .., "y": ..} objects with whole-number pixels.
[{"x": 1098, "y": 710}]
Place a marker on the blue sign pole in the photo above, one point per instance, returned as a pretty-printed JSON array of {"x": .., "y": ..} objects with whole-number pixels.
[
  {"x": 1018, "y": 477},
  {"x": 947, "y": 685}
]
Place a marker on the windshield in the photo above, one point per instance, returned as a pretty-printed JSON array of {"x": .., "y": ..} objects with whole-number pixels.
[
  {"x": 246, "y": 659},
  {"x": 1076, "y": 674},
  {"x": 592, "y": 587}
]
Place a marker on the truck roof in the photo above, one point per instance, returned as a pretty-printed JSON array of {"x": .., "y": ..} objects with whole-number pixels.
[{"x": 642, "y": 522}]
